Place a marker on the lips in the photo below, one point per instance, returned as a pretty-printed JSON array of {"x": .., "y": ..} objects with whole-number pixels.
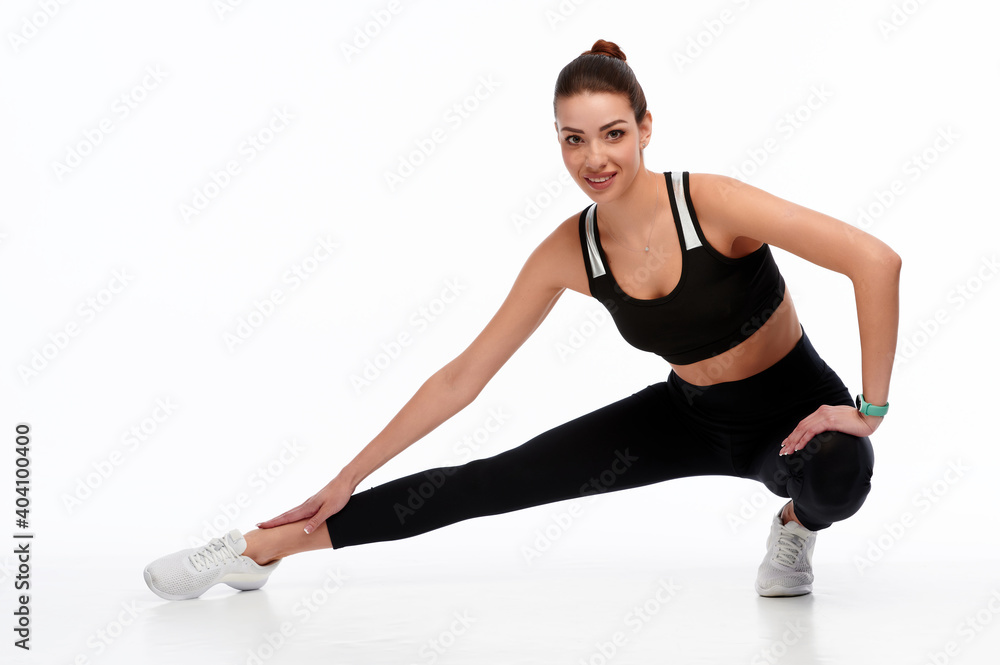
[{"x": 601, "y": 181}]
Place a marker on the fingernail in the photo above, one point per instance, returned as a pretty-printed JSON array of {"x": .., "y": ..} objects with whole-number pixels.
[
  {"x": 306, "y": 530},
  {"x": 258, "y": 524}
]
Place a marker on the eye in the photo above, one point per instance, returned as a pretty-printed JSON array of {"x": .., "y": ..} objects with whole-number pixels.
[
  {"x": 621, "y": 133},
  {"x": 572, "y": 136}
]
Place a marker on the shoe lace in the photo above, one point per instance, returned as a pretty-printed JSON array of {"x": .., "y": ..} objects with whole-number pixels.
[
  {"x": 788, "y": 547},
  {"x": 215, "y": 552}
]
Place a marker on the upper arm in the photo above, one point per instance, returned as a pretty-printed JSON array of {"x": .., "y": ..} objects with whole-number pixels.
[
  {"x": 535, "y": 291},
  {"x": 745, "y": 210}
]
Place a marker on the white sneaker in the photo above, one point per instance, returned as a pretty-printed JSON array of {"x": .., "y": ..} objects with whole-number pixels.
[
  {"x": 787, "y": 568},
  {"x": 189, "y": 573}
]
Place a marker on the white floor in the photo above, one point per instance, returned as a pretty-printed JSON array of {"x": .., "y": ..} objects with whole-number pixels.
[{"x": 417, "y": 612}]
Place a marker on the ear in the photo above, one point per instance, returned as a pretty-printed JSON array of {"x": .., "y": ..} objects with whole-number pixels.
[{"x": 646, "y": 127}]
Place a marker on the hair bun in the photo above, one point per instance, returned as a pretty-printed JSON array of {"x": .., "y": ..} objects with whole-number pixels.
[{"x": 603, "y": 47}]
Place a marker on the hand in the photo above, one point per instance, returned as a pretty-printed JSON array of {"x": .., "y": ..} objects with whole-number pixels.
[
  {"x": 840, "y": 418},
  {"x": 316, "y": 508}
]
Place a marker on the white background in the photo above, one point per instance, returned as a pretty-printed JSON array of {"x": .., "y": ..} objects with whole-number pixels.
[{"x": 890, "y": 89}]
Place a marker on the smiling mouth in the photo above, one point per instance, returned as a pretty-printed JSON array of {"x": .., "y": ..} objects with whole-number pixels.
[{"x": 602, "y": 182}]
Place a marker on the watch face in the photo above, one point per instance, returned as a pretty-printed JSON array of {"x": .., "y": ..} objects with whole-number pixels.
[{"x": 857, "y": 401}]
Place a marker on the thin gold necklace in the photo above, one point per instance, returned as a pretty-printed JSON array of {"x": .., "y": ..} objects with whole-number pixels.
[{"x": 652, "y": 224}]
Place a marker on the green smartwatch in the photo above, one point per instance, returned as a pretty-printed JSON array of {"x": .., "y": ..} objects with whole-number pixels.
[{"x": 870, "y": 409}]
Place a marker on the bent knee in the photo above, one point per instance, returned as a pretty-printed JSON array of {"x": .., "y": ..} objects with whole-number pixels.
[
  {"x": 840, "y": 472},
  {"x": 841, "y": 454}
]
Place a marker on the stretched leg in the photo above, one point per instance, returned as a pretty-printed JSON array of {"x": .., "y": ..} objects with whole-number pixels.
[
  {"x": 632, "y": 442},
  {"x": 267, "y": 545}
]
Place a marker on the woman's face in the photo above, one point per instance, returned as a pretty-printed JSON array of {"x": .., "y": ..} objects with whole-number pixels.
[{"x": 600, "y": 141}]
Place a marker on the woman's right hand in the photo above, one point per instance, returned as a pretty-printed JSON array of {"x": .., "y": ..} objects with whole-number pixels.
[{"x": 316, "y": 508}]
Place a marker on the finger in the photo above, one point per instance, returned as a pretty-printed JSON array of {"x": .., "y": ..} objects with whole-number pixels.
[
  {"x": 788, "y": 443},
  {"x": 798, "y": 438},
  {"x": 293, "y": 515},
  {"x": 317, "y": 519},
  {"x": 274, "y": 521}
]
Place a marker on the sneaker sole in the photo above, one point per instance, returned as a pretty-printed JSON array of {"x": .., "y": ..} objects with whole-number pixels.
[
  {"x": 783, "y": 591},
  {"x": 240, "y": 581}
]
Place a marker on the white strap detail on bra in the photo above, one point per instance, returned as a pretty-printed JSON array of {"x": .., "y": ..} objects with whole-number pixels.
[
  {"x": 691, "y": 239},
  {"x": 596, "y": 265}
]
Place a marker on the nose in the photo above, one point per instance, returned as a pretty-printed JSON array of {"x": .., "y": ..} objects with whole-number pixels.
[{"x": 595, "y": 158}]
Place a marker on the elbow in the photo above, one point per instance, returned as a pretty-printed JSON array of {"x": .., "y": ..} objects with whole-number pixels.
[
  {"x": 893, "y": 263},
  {"x": 877, "y": 268},
  {"x": 885, "y": 260}
]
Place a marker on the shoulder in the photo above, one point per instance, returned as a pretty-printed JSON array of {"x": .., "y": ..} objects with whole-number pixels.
[
  {"x": 712, "y": 188},
  {"x": 742, "y": 210},
  {"x": 726, "y": 204},
  {"x": 565, "y": 238},
  {"x": 558, "y": 258}
]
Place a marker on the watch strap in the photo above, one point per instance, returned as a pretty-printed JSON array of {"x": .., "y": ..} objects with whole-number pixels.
[{"x": 868, "y": 408}]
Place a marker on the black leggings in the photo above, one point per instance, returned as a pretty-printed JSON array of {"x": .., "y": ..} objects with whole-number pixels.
[{"x": 671, "y": 429}]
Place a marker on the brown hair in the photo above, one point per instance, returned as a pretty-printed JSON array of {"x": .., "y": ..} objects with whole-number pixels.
[{"x": 601, "y": 69}]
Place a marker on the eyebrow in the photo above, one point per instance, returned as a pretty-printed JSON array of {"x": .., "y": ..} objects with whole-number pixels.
[{"x": 580, "y": 131}]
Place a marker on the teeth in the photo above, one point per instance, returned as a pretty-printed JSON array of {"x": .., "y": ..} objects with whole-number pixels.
[{"x": 604, "y": 179}]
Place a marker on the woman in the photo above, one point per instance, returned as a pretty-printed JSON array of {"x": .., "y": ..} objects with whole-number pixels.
[{"x": 747, "y": 394}]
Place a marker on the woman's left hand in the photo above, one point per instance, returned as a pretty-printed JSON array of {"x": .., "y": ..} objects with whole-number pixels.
[{"x": 840, "y": 418}]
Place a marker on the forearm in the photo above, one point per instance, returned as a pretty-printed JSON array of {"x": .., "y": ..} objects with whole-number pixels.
[
  {"x": 437, "y": 400},
  {"x": 876, "y": 292}
]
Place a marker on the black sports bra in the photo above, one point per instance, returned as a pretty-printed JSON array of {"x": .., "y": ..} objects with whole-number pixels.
[{"x": 717, "y": 304}]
